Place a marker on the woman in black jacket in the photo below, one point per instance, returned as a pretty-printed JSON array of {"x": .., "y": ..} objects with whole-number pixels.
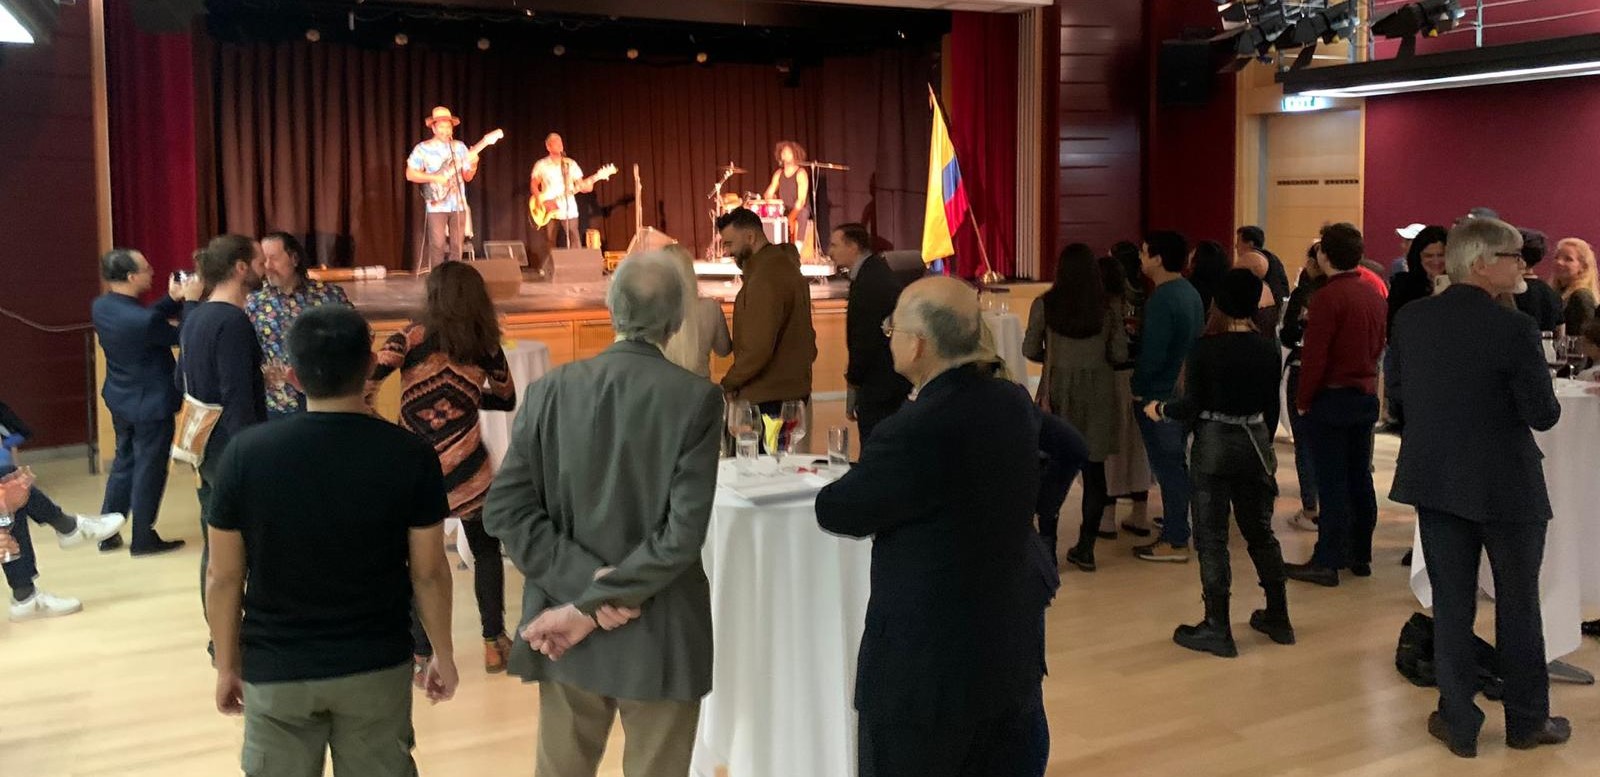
[
  {"x": 1231, "y": 396},
  {"x": 1291, "y": 335}
]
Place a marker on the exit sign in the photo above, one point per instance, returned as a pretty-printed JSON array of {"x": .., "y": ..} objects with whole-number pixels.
[{"x": 1296, "y": 103}]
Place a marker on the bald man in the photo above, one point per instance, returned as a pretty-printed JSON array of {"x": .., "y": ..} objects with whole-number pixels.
[
  {"x": 556, "y": 179},
  {"x": 948, "y": 680}
]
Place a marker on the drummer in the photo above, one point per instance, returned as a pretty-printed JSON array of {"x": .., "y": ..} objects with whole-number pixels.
[{"x": 792, "y": 184}]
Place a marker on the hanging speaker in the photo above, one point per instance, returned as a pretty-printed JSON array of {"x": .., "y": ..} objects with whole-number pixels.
[{"x": 1184, "y": 75}]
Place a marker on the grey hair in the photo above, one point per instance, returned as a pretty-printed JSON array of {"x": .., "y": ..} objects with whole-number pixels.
[
  {"x": 1475, "y": 239},
  {"x": 954, "y": 337},
  {"x": 646, "y": 298}
]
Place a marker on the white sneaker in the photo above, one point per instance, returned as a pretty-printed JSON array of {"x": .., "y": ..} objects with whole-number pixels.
[
  {"x": 1303, "y": 522},
  {"x": 44, "y": 604},
  {"x": 92, "y": 528}
]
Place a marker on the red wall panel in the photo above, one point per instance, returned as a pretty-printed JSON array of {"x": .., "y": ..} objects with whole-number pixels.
[
  {"x": 48, "y": 264},
  {"x": 1101, "y": 110}
]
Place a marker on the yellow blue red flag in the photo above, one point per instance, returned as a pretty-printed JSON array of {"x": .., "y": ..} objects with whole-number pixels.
[{"x": 947, "y": 197}]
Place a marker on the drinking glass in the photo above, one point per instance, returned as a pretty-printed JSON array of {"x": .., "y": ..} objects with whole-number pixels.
[
  {"x": 838, "y": 446},
  {"x": 748, "y": 450},
  {"x": 741, "y": 418},
  {"x": 793, "y": 417},
  {"x": 5, "y": 524}
]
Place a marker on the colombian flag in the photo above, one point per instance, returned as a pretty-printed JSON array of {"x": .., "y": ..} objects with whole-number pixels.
[{"x": 947, "y": 198}]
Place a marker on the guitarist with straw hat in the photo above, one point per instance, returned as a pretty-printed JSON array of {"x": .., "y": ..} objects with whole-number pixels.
[{"x": 444, "y": 165}]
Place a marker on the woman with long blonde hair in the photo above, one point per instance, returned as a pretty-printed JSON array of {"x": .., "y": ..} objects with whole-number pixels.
[
  {"x": 704, "y": 329},
  {"x": 1574, "y": 278}
]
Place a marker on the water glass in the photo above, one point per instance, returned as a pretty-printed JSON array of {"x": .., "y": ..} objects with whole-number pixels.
[
  {"x": 748, "y": 449},
  {"x": 5, "y": 524},
  {"x": 741, "y": 419},
  {"x": 838, "y": 446}
]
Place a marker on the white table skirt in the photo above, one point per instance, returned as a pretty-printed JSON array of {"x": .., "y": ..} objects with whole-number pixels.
[
  {"x": 1007, "y": 331},
  {"x": 1569, "y": 580},
  {"x": 788, "y": 605},
  {"x": 529, "y": 361}
]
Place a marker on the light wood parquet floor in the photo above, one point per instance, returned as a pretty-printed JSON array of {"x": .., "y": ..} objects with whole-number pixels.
[{"x": 124, "y": 688}]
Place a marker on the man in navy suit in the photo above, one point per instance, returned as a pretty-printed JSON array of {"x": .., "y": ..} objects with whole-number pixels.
[
  {"x": 948, "y": 681},
  {"x": 139, "y": 391},
  {"x": 876, "y": 390},
  {"x": 1473, "y": 389}
]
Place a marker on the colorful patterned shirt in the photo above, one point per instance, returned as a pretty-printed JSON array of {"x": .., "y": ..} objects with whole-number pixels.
[
  {"x": 272, "y": 312},
  {"x": 432, "y": 156}
]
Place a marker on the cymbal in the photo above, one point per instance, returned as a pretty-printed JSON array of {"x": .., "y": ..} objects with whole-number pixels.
[
  {"x": 830, "y": 166},
  {"x": 732, "y": 169}
]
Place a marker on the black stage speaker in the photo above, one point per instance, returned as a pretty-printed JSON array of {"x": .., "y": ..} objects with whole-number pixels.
[
  {"x": 577, "y": 265},
  {"x": 1184, "y": 74},
  {"x": 502, "y": 276}
]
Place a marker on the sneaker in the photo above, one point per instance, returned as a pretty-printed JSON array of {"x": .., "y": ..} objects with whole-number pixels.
[
  {"x": 92, "y": 528},
  {"x": 1161, "y": 551},
  {"x": 43, "y": 604},
  {"x": 496, "y": 652},
  {"x": 1303, "y": 521}
]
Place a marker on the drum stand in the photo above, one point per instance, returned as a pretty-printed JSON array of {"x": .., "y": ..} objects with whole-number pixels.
[{"x": 713, "y": 249}]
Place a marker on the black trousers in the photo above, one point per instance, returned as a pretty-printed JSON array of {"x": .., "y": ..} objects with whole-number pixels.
[
  {"x": 1005, "y": 745},
  {"x": 40, "y": 509},
  {"x": 442, "y": 247},
  {"x": 1342, "y": 422},
  {"x": 1094, "y": 503},
  {"x": 488, "y": 586},
  {"x": 1249, "y": 497},
  {"x": 1452, "y": 547},
  {"x": 138, "y": 475},
  {"x": 559, "y": 233}
]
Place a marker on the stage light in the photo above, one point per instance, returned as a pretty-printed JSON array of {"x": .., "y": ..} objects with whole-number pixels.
[
  {"x": 559, "y": 50},
  {"x": 401, "y": 39},
  {"x": 1326, "y": 26},
  {"x": 12, "y": 29},
  {"x": 633, "y": 53},
  {"x": 313, "y": 35},
  {"x": 483, "y": 44},
  {"x": 701, "y": 57},
  {"x": 1429, "y": 17}
]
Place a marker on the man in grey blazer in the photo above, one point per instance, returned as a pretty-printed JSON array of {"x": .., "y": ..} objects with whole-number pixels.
[
  {"x": 1469, "y": 383},
  {"x": 602, "y": 503}
]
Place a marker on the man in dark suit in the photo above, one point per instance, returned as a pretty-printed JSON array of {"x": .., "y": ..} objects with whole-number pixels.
[
  {"x": 1470, "y": 384},
  {"x": 875, "y": 389},
  {"x": 139, "y": 391},
  {"x": 948, "y": 680}
]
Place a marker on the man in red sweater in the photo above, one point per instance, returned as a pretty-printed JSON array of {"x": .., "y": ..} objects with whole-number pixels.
[{"x": 1344, "y": 339}]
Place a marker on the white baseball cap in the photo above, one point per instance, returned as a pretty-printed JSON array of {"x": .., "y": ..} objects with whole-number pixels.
[{"x": 1410, "y": 231}]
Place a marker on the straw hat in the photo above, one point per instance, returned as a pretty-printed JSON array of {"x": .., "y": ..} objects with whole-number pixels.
[{"x": 439, "y": 114}]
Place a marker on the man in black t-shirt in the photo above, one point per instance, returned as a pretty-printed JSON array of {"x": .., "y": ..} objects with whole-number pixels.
[{"x": 324, "y": 528}]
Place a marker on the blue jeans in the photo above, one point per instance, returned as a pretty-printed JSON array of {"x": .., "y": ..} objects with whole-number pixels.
[
  {"x": 1164, "y": 444},
  {"x": 1305, "y": 467},
  {"x": 1341, "y": 423},
  {"x": 39, "y": 508}
]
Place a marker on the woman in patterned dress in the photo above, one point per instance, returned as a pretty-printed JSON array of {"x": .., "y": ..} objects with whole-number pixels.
[{"x": 451, "y": 366}]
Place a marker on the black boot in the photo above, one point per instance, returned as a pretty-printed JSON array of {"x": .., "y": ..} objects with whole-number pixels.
[
  {"x": 1213, "y": 635},
  {"x": 1274, "y": 621}
]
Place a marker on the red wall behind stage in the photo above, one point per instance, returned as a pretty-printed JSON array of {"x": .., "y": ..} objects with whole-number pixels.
[
  {"x": 1189, "y": 150},
  {"x": 1433, "y": 155},
  {"x": 47, "y": 195}
]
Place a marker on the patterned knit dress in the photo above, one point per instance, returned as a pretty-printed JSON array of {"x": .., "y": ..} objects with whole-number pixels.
[{"x": 440, "y": 399}]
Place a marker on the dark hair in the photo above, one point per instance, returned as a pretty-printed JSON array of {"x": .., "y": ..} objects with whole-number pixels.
[
  {"x": 1112, "y": 278},
  {"x": 1127, "y": 254},
  {"x": 1535, "y": 247},
  {"x": 1171, "y": 247},
  {"x": 1427, "y": 237},
  {"x": 215, "y": 263},
  {"x": 742, "y": 218},
  {"x": 856, "y": 233},
  {"x": 1254, "y": 236},
  {"x": 799, "y": 151},
  {"x": 458, "y": 314},
  {"x": 1343, "y": 245},
  {"x": 1211, "y": 262},
  {"x": 1075, "y": 305},
  {"x": 293, "y": 247},
  {"x": 118, "y": 264},
  {"x": 330, "y": 348}
]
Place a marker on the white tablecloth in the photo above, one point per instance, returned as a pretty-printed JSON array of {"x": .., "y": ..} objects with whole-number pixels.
[
  {"x": 529, "y": 361},
  {"x": 1569, "y": 580},
  {"x": 788, "y": 605},
  {"x": 1007, "y": 331}
]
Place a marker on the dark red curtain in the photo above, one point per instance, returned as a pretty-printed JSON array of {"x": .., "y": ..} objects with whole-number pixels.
[
  {"x": 313, "y": 138},
  {"x": 151, "y": 93},
  {"x": 983, "y": 126}
]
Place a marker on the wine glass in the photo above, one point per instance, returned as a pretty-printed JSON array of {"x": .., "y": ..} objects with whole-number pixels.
[
  {"x": 793, "y": 417},
  {"x": 741, "y": 418},
  {"x": 1575, "y": 358}
]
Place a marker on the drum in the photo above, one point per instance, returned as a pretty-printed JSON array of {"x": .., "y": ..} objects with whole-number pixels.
[{"x": 768, "y": 209}]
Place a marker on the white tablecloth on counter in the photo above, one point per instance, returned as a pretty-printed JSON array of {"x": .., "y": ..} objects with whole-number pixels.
[
  {"x": 529, "y": 360},
  {"x": 1007, "y": 331},
  {"x": 1569, "y": 580},
  {"x": 788, "y": 605}
]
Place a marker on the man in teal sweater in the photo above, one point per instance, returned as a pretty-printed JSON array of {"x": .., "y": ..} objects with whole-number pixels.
[{"x": 1173, "y": 319}]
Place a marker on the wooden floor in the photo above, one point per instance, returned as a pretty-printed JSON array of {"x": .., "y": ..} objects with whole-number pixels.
[{"x": 124, "y": 688}]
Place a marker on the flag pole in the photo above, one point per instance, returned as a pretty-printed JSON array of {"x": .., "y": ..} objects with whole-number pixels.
[{"x": 989, "y": 277}]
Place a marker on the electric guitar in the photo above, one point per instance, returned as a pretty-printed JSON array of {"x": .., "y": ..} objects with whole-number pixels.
[
  {"x": 434, "y": 192},
  {"x": 543, "y": 211}
]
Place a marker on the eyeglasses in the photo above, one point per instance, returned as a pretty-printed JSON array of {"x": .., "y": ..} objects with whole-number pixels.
[
  {"x": 889, "y": 328},
  {"x": 1508, "y": 255}
]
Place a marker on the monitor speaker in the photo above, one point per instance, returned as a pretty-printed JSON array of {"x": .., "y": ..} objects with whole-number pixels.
[
  {"x": 1184, "y": 73},
  {"x": 577, "y": 265},
  {"x": 502, "y": 276}
]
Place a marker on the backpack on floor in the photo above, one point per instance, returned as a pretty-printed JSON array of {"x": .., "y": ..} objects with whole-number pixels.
[{"x": 1413, "y": 657}]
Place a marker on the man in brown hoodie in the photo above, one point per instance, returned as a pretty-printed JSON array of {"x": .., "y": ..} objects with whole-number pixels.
[{"x": 773, "y": 340}]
